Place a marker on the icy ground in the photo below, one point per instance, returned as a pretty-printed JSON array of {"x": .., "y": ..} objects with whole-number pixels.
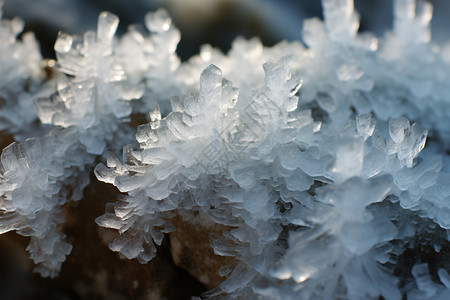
[{"x": 313, "y": 153}]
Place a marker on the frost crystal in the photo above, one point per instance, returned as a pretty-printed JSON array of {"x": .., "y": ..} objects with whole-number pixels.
[
  {"x": 152, "y": 59},
  {"x": 313, "y": 155},
  {"x": 270, "y": 163},
  {"x": 20, "y": 60},
  {"x": 96, "y": 94},
  {"x": 40, "y": 175}
]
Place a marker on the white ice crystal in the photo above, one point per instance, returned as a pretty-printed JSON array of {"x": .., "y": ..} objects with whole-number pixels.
[
  {"x": 245, "y": 171},
  {"x": 20, "y": 65},
  {"x": 313, "y": 153},
  {"x": 152, "y": 59},
  {"x": 261, "y": 163},
  {"x": 97, "y": 93},
  {"x": 40, "y": 175},
  {"x": 37, "y": 177}
]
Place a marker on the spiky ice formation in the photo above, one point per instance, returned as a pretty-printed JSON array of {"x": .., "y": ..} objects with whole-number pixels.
[
  {"x": 94, "y": 94},
  {"x": 37, "y": 178},
  {"x": 152, "y": 59},
  {"x": 21, "y": 79},
  {"x": 42, "y": 174},
  {"x": 242, "y": 166},
  {"x": 315, "y": 152},
  {"x": 295, "y": 179}
]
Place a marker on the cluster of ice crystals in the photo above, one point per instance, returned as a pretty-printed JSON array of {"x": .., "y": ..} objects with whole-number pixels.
[
  {"x": 306, "y": 182},
  {"x": 37, "y": 177},
  {"x": 342, "y": 21},
  {"x": 313, "y": 155},
  {"x": 152, "y": 59},
  {"x": 154, "y": 173},
  {"x": 87, "y": 111},
  {"x": 412, "y": 19},
  {"x": 95, "y": 92},
  {"x": 20, "y": 66}
]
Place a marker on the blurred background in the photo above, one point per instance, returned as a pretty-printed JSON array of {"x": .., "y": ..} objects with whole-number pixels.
[
  {"x": 216, "y": 22},
  {"x": 92, "y": 271}
]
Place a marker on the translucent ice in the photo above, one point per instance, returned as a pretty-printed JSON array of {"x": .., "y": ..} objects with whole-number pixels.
[
  {"x": 107, "y": 26},
  {"x": 97, "y": 90},
  {"x": 305, "y": 151},
  {"x": 398, "y": 129},
  {"x": 158, "y": 21},
  {"x": 34, "y": 192},
  {"x": 341, "y": 20},
  {"x": 21, "y": 80},
  {"x": 365, "y": 125},
  {"x": 63, "y": 43},
  {"x": 349, "y": 158},
  {"x": 42, "y": 174}
]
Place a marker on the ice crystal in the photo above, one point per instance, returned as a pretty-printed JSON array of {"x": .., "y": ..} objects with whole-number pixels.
[
  {"x": 40, "y": 175},
  {"x": 313, "y": 153},
  {"x": 20, "y": 60},
  {"x": 152, "y": 59}
]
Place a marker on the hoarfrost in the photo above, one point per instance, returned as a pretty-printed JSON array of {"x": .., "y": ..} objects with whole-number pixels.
[
  {"x": 21, "y": 61},
  {"x": 313, "y": 154},
  {"x": 40, "y": 175}
]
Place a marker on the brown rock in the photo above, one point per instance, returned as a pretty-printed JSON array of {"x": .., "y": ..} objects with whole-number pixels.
[{"x": 191, "y": 249}]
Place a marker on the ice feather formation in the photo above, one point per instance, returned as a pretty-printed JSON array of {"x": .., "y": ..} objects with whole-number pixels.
[
  {"x": 20, "y": 60},
  {"x": 42, "y": 174},
  {"x": 312, "y": 153}
]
